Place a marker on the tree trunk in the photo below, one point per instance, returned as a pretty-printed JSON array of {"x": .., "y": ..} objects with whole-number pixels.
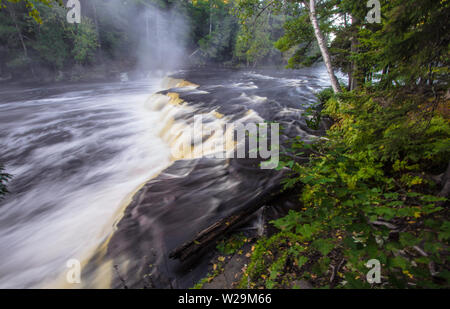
[
  {"x": 354, "y": 68},
  {"x": 20, "y": 35},
  {"x": 322, "y": 45},
  {"x": 210, "y": 17},
  {"x": 94, "y": 10},
  {"x": 97, "y": 29},
  {"x": 19, "y": 32}
]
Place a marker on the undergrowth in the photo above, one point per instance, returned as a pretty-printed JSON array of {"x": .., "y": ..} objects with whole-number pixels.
[{"x": 369, "y": 192}]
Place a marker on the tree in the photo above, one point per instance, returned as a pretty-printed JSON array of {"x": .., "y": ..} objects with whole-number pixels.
[
  {"x": 32, "y": 10},
  {"x": 51, "y": 42},
  {"x": 85, "y": 41},
  {"x": 12, "y": 13},
  {"x": 253, "y": 47},
  {"x": 384, "y": 168},
  {"x": 255, "y": 40},
  {"x": 255, "y": 8},
  {"x": 213, "y": 40},
  {"x": 322, "y": 44},
  {"x": 299, "y": 38}
]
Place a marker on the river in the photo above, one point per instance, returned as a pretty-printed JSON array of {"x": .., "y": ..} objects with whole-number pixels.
[{"x": 79, "y": 152}]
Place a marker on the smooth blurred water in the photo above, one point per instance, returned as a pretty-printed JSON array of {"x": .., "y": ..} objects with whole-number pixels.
[
  {"x": 75, "y": 152},
  {"x": 79, "y": 152}
]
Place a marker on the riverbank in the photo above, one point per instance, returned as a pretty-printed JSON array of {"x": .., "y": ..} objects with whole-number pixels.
[
  {"x": 195, "y": 191},
  {"x": 356, "y": 213},
  {"x": 105, "y": 71}
]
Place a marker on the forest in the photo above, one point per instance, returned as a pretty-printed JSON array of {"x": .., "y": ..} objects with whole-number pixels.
[
  {"x": 375, "y": 186},
  {"x": 37, "y": 40}
]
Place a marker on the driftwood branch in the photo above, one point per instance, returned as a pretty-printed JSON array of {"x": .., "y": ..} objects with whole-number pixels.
[
  {"x": 384, "y": 223},
  {"x": 217, "y": 230},
  {"x": 431, "y": 264},
  {"x": 335, "y": 270}
]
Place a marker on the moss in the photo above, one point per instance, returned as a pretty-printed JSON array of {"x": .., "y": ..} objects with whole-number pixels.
[{"x": 231, "y": 244}]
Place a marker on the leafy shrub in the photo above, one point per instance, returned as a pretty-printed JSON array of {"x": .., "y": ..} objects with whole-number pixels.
[
  {"x": 232, "y": 244},
  {"x": 367, "y": 195}
]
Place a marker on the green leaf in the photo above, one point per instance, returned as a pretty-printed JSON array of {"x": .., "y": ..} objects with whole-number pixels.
[
  {"x": 324, "y": 246},
  {"x": 408, "y": 240}
]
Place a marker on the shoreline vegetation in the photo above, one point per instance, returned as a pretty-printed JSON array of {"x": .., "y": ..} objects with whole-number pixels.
[
  {"x": 375, "y": 188},
  {"x": 349, "y": 210}
]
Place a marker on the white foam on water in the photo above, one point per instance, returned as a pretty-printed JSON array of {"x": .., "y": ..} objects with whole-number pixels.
[{"x": 75, "y": 157}]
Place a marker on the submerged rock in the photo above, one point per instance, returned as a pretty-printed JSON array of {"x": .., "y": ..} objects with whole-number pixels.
[{"x": 191, "y": 194}]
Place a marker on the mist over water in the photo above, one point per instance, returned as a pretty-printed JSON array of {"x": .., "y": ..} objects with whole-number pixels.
[
  {"x": 75, "y": 156},
  {"x": 163, "y": 34},
  {"x": 157, "y": 36}
]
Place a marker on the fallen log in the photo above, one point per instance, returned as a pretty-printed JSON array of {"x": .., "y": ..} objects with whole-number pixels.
[{"x": 217, "y": 230}]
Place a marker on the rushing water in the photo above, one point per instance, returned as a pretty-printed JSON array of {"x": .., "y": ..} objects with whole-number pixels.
[
  {"x": 193, "y": 194},
  {"x": 76, "y": 152}
]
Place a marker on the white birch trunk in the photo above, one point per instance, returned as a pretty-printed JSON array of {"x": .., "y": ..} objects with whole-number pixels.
[{"x": 323, "y": 46}]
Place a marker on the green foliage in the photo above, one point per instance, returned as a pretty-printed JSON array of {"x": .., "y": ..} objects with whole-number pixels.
[
  {"x": 219, "y": 43},
  {"x": 366, "y": 194},
  {"x": 232, "y": 244},
  {"x": 265, "y": 27},
  {"x": 393, "y": 127},
  {"x": 217, "y": 270},
  {"x": 31, "y": 6},
  {"x": 85, "y": 42},
  {"x": 313, "y": 114},
  {"x": 299, "y": 36},
  {"x": 50, "y": 42},
  {"x": 297, "y": 40},
  {"x": 261, "y": 27},
  {"x": 39, "y": 30},
  {"x": 280, "y": 254},
  {"x": 215, "y": 38},
  {"x": 51, "y": 37},
  {"x": 253, "y": 47}
]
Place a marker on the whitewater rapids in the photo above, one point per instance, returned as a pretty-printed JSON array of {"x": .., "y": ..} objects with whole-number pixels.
[{"x": 76, "y": 154}]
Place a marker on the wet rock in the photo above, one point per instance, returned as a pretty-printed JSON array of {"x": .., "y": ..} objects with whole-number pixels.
[{"x": 190, "y": 195}]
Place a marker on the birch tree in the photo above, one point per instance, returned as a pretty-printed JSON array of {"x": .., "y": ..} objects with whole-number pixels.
[
  {"x": 311, "y": 6},
  {"x": 249, "y": 9}
]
